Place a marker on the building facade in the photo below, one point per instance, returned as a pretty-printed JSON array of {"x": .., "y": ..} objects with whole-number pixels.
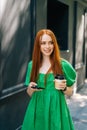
[{"x": 19, "y": 22}]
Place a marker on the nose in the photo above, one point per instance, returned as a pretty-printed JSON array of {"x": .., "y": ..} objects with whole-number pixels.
[{"x": 47, "y": 44}]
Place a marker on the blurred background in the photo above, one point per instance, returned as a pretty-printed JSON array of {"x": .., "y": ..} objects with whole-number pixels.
[{"x": 19, "y": 22}]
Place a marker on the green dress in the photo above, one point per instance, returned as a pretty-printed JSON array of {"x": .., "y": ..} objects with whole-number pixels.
[{"x": 47, "y": 109}]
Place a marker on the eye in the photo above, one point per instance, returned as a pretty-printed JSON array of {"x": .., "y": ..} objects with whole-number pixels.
[
  {"x": 50, "y": 42},
  {"x": 43, "y": 43},
  {"x": 46, "y": 42}
]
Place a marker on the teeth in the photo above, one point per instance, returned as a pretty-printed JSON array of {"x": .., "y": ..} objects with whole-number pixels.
[{"x": 47, "y": 50}]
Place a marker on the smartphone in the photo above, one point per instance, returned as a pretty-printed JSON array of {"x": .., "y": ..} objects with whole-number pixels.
[{"x": 36, "y": 87}]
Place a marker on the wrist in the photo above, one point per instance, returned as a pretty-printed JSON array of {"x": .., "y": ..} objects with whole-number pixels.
[{"x": 64, "y": 89}]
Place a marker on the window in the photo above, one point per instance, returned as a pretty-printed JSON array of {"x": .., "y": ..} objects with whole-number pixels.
[{"x": 57, "y": 21}]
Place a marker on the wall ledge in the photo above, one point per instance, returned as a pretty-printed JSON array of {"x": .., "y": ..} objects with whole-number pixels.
[{"x": 6, "y": 93}]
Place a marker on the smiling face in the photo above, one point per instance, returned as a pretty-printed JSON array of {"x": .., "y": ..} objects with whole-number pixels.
[{"x": 46, "y": 45}]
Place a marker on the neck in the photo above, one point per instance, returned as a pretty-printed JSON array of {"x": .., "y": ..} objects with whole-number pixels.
[
  {"x": 46, "y": 60},
  {"x": 45, "y": 65}
]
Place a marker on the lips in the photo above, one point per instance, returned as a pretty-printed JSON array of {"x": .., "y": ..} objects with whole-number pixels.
[{"x": 47, "y": 51}]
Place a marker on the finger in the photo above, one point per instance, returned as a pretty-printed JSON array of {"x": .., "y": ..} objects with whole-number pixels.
[
  {"x": 32, "y": 84},
  {"x": 63, "y": 81}
]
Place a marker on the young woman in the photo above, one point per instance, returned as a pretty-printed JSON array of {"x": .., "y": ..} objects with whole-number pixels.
[{"x": 47, "y": 109}]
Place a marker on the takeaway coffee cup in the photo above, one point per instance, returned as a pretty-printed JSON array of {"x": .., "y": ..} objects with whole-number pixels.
[{"x": 58, "y": 79}]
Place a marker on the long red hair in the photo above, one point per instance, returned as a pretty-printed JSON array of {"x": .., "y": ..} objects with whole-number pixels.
[{"x": 55, "y": 58}]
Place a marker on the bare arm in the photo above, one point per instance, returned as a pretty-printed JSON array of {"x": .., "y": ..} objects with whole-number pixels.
[{"x": 68, "y": 91}]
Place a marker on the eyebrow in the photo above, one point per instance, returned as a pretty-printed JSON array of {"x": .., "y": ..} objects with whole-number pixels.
[{"x": 47, "y": 41}]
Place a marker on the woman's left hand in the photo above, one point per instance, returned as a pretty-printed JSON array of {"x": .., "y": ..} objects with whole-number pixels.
[{"x": 60, "y": 84}]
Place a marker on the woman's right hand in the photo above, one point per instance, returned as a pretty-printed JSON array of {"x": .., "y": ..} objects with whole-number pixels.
[{"x": 30, "y": 90}]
